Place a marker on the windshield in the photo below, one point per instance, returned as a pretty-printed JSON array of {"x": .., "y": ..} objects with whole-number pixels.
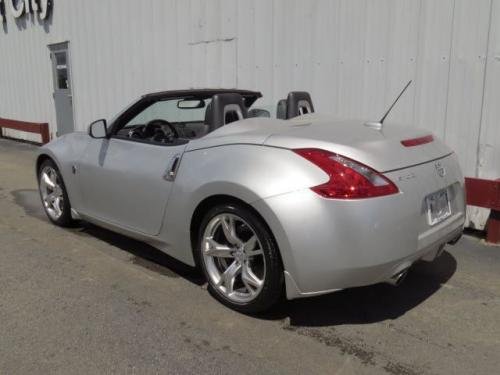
[{"x": 169, "y": 110}]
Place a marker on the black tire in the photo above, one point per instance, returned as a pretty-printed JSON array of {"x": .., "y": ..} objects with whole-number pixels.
[
  {"x": 273, "y": 287},
  {"x": 65, "y": 220}
]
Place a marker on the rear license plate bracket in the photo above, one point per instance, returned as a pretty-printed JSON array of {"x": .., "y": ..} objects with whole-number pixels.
[{"x": 438, "y": 206}]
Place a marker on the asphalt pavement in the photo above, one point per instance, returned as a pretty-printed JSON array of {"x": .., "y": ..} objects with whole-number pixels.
[{"x": 88, "y": 301}]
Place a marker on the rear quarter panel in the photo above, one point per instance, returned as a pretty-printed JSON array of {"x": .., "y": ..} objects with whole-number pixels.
[{"x": 247, "y": 172}]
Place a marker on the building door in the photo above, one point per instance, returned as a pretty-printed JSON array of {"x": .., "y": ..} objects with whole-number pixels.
[{"x": 63, "y": 98}]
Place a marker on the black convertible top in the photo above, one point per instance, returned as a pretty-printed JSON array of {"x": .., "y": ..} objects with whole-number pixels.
[{"x": 249, "y": 96}]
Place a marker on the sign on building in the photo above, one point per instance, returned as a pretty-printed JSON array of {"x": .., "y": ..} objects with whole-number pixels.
[{"x": 18, "y": 8}]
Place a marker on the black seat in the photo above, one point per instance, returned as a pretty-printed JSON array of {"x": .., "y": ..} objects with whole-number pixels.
[
  {"x": 281, "y": 109},
  {"x": 224, "y": 109},
  {"x": 298, "y": 103},
  {"x": 194, "y": 129}
]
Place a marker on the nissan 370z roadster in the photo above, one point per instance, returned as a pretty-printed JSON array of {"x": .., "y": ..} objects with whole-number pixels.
[{"x": 298, "y": 205}]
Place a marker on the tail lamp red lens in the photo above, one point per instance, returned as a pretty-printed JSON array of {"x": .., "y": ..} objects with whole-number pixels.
[
  {"x": 417, "y": 141},
  {"x": 348, "y": 178}
]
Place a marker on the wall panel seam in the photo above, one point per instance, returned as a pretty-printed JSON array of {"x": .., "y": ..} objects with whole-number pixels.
[
  {"x": 485, "y": 72},
  {"x": 449, "y": 70}
]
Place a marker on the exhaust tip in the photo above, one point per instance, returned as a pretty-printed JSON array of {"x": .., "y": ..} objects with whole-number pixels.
[
  {"x": 398, "y": 278},
  {"x": 455, "y": 240},
  {"x": 440, "y": 250}
]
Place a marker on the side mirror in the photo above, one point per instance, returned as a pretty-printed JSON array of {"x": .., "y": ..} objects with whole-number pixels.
[
  {"x": 98, "y": 129},
  {"x": 258, "y": 112}
]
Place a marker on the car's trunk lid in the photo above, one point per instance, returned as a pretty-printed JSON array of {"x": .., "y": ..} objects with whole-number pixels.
[{"x": 380, "y": 149}]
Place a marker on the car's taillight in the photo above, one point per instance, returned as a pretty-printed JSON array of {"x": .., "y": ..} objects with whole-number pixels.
[{"x": 348, "y": 178}]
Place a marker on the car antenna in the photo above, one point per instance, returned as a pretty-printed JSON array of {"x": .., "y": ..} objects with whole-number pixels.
[{"x": 380, "y": 124}]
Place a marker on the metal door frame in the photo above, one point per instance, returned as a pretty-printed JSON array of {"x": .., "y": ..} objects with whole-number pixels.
[{"x": 54, "y": 48}]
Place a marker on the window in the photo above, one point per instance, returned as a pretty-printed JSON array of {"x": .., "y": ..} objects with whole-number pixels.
[
  {"x": 61, "y": 70},
  {"x": 170, "y": 111}
]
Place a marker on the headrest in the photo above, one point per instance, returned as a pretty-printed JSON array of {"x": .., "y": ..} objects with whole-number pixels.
[
  {"x": 224, "y": 109},
  {"x": 298, "y": 103},
  {"x": 208, "y": 113}
]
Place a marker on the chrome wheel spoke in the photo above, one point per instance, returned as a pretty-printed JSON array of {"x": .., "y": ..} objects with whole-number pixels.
[
  {"x": 215, "y": 249},
  {"x": 249, "y": 279},
  {"x": 256, "y": 252},
  {"x": 57, "y": 206},
  {"x": 49, "y": 199},
  {"x": 47, "y": 180},
  {"x": 53, "y": 196},
  {"x": 228, "y": 277},
  {"x": 250, "y": 244},
  {"x": 229, "y": 229},
  {"x": 249, "y": 247},
  {"x": 53, "y": 177}
]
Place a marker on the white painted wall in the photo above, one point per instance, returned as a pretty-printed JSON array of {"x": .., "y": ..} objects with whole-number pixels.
[{"x": 352, "y": 55}]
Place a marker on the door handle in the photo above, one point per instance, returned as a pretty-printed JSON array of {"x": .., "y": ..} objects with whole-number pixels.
[{"x": 172, "y": 167}]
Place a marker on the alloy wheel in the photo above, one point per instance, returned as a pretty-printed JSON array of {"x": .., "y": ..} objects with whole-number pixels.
[
  {"x": 52, "y": 192},
  {"x": 234, "y": 258}
]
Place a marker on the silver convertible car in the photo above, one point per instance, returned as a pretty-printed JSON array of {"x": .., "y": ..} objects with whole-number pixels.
[{"x": 297, "y": 205}]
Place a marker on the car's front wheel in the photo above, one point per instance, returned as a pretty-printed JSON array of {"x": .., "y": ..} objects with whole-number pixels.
[
  {"x": 240, "y": 259},
  {"x": 53, "y": 194}
]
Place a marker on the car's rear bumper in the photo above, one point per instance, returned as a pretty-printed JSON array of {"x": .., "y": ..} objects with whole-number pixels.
[
  {"x": 380, "y": 273},
  {"x": 328, "y": 245}
]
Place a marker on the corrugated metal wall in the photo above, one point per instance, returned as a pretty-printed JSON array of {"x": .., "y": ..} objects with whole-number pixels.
[{"x": 352, "y": 55}]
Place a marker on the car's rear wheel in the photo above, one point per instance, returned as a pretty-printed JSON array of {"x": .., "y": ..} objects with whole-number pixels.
[
  {"x": 240, "y": 259},
  {"x": 53, "y": 193}
]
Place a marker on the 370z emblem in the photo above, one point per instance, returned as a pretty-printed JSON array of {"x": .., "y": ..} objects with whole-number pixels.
[
  {"x": 441, "y": 171},
  {"x": 406, "y": 177}
]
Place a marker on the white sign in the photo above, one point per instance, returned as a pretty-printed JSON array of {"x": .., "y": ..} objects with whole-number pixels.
[{"x": 20, "y": 7}]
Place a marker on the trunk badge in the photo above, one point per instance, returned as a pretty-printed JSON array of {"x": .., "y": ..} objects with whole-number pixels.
[{"x": 441, "y": 171}]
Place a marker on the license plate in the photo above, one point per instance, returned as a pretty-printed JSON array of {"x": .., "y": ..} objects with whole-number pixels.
[{"x": 438, "y": 207}]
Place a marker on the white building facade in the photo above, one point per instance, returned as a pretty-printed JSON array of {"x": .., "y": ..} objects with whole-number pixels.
[{"x": 69, "y": 62}]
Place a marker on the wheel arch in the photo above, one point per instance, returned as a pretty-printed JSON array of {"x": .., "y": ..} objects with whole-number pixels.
[
  {"x": 212, "y": 201},
  {"x": 47, "y": 155},
  {"x": 44, "y": 156},
  {"x": 40, "y": 159}
]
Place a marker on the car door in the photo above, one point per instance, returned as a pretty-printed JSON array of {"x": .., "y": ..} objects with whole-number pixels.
[{"x": 126, "y": 182}]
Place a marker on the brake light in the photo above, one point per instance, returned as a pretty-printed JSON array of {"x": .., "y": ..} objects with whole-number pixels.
[
  {"x": 417, "y": 141},
  {"x": 348, "y": 178}
]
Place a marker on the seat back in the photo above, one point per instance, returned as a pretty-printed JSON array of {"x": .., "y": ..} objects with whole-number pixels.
[
  {"x": 298, "y": 103},
  {"x": 281, "y": 109},
  {"x": 224, "y": 109}
]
